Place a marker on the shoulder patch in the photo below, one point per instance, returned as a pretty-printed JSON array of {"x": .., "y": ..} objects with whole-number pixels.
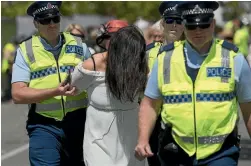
[
  {"x": 168, "y": 47},
  {"x": 150, "y": 46},
  {"x": 230, "y": 46}
]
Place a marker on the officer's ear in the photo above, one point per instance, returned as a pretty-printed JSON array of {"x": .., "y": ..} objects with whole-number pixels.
[
  {"x": 162, "y": 25},
  {"x": 35, "y": 24},
  {"x": 162, "y": 22},
  {"x": 213, "y": 23}
]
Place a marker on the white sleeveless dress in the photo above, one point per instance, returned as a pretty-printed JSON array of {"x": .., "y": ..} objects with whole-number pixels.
[{"x": 111, "y": 128}]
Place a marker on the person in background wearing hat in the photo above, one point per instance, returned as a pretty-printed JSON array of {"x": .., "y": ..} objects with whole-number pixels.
[
  {"x": 78, "y": 30},
  {"x": 173, "y": 31},
  {"x": 199, "y": 83},
  {"x": 172, "y": 27},
  {"x": 241, "y": 35},
  {"x": 55, "y": 122},
  {"x": 113, "y": 79},
  {"x": 7, "y": 62}
]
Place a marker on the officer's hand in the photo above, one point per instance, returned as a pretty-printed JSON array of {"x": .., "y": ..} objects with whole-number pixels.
[
  {"x": 61, "y": 89},
  {"x": 142, "y": 151},
  {"x": 72, "y": 91}
]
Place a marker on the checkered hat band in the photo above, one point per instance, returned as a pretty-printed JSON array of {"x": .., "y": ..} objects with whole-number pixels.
[
  {"x": 201, "y": 11},
  {"x": 44, "y": 9},
  {"x": 169, "y": 10}
]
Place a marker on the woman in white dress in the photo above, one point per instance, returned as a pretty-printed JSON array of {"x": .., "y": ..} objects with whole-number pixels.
[{"x": 113, "y": 80}]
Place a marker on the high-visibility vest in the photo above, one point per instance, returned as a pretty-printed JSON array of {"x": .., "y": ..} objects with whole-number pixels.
[
  {"x": 202, "y": 114},
  {"x": 47, "y": 73},
  {"x": 152, "y": 51},
  {"x": 241, "y": 38}
]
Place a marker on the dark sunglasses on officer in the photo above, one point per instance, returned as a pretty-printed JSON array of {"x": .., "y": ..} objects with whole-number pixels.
[
  {"x": 47, "y": 21},
  {"x": 170, "y": 20},
  {"x": 202, "y": 23}
]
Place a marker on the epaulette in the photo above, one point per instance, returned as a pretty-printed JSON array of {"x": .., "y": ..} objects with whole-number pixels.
[
  {"x": 150, "y": 46},
  {"x": 230, "y": 46},
  {"x": 166, "y": 48}
]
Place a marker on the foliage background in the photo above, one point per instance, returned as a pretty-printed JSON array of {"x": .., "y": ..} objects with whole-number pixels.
[{"x": 129, "y": 10}]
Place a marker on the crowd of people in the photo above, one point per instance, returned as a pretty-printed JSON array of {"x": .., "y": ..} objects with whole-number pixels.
[{"x": 167, "y": 95}]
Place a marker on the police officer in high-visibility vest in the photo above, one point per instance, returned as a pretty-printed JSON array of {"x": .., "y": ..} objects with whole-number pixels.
[
  {"x": 241, "y": 36},
  {"x": 171, "y": 24},
  {"x": 173, "y": 31},
  {"x": 199, "y": 83},
  {"x": 55, "y": 122}
]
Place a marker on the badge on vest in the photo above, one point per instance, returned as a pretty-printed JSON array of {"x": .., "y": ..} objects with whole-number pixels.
[
  {"x": 74, "y": 49},
  {"x": 222, "y": 72}
]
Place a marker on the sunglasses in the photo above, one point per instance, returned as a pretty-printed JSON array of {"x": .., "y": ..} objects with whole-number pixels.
[
  {"x": 193, "y": 27},
  {"x": 47, "y": 21},
  {"x": 172, "y": 20}
]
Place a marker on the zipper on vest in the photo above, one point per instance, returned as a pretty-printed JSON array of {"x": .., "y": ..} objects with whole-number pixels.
[
  {"x": 194, "y": 114},
  {"x": 62, "y": 100}
]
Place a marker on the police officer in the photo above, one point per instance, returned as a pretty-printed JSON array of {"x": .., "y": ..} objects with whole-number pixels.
[
  {"x": 241, "y": 36},
  {"x": 7, "y": 62},
  {"x": 173, "y": 30},
  {"x": 199, "y": 83},
  {"x": 55, "y": 122}
]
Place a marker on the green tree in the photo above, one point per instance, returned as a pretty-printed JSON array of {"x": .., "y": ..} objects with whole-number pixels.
[{"x": 128, "y": 10}]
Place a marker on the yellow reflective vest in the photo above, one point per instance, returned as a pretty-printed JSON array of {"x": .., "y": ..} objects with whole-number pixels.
[
  {"x": 46, "y": 73},
  {"x": 152, "y": 51},
  {"x": 202, "y": 114},
  {"x": 241, "y": 38}
]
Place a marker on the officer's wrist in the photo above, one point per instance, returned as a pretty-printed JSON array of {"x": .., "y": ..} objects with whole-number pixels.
[{"x": 55, "y": 92}]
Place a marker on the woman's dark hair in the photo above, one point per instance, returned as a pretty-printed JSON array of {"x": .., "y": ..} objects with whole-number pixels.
[{"x": 126, "y": 72}]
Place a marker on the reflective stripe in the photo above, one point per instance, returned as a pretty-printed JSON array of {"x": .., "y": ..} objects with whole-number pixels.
[
  {"x": 167, "y": 66},
  {"x": 225, "y": 62},
  {"x": 212, "y": 139},
  {"x": 201, "y": 140},
  {"x": 29, "y": 50},
  {"x": 170, "y": 99},
  {"x": 204, "y": 140},
  {"x": 49, "y": 71},
  {"x": 217, "y": 97},
  {"x": 57, "y": 106},
  {"x": 76, "y": 103},
  {"x": 48, "y": 107},
  {"x": 185, "y": 139}
]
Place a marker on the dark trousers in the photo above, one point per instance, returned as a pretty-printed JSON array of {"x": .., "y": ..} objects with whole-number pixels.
[
  {"x": 154, "y": 141},
  {"x": 54, "y": 143}
]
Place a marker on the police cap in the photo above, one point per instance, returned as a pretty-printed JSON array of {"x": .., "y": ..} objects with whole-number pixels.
[
  {"x": 169, "y": 9},
  {"x": 197, "y": 12},
  {"x": 44, "y": 9}
]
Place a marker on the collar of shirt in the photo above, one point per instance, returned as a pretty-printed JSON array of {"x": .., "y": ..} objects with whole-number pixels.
[
  {"x": 48, "y": 47},
  {"x": 192, "y": 50},
  {"x": 193, "y": 58}
]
